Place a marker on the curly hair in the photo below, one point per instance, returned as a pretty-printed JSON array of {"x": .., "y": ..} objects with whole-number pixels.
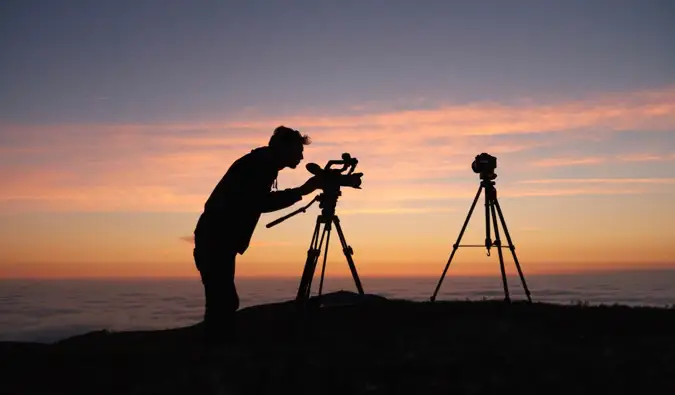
[{"x": 284, "y": 136}]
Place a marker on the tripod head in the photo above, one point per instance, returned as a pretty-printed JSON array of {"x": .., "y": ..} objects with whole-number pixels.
[{"x": 330, "y": 181}]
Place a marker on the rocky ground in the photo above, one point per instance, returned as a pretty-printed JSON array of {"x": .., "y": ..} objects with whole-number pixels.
[{"x": 377, "y": 346}]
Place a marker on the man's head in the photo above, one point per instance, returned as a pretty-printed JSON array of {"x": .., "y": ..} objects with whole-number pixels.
[{"x": 288, "y": 145}]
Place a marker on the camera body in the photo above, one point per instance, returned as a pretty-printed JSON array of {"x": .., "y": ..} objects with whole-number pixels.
[
  {"x": 330, "y": 180},
  {"x": 485, "y": 165},
  {"x": 333, "y": 178}
]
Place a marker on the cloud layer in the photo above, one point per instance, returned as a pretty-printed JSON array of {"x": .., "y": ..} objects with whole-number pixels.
[{"x": 172, "y": 167}]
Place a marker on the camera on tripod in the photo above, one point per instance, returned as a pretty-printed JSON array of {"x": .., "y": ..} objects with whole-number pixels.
[
  {"x": 329, "y": 181},
  {"x": 330, "y": 178},
  {"x": 485, "y": 165}
]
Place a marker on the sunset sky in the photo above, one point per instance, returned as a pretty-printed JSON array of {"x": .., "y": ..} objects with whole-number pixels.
[{"x": 118, "y": 118}]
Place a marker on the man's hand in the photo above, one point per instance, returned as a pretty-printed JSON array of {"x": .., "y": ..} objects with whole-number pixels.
[{"x": 309, "y": 186}]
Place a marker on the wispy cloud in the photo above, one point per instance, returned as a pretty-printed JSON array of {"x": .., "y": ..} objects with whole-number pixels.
[
  {"x": 172, "y": 167},
  {"x": 190, "y": 239},
  {"x": 592, "y": 160},
  {"x": 396, "y": 210},
  {"x": 556, "y": 162},
  {"x": 396, "y": 194},
  {"x": 646, "y": 157},
  {"x": 255, "y": 243},
  {"x": 643, "y": 110},
  {"x": 600, "y": 181}
]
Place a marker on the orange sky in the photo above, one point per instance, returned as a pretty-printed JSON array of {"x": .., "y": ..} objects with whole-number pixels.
[{"x": 584, "y": 185}]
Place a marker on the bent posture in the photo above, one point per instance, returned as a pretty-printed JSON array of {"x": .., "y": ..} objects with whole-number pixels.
[{"x": 230, "y": 216}]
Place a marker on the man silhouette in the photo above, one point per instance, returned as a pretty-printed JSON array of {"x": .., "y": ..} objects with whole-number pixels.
[{"x": 229, "y": 218}]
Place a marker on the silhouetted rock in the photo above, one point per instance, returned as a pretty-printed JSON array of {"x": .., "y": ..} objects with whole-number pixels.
[
  {"x": 345, "y": 298},
  {"x": 370, "y": 345}
]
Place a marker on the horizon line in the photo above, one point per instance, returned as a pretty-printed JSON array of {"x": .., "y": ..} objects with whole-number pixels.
[{"x": 348, "y": 276}]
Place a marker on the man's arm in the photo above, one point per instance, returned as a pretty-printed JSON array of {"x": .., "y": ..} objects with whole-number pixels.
[
  {"x": 278, "y": 200},
  {"x": 259, "y": 196}
]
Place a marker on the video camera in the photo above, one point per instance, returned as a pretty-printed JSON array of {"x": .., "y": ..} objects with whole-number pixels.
[
  {"x": 485, "y": 165},
  {"x": 330, "y": 181},
  {"x": 330, "y": 178}
]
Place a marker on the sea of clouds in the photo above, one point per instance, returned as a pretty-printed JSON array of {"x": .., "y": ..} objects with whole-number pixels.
[{"x": 50, "y": 310}]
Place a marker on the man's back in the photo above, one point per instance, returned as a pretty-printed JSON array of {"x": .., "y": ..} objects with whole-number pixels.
[{"x": 232, "y": 211}]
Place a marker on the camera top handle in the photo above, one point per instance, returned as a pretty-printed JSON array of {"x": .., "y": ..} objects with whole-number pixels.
[{"x": 346, "y": 162}]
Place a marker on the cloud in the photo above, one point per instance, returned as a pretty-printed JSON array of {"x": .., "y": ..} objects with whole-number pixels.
[
  {"x": 173, "y": 167},
  {"x": 556, "y": 162},
  {"x": 531, "y": 229},
  {"x": 393, "y": 195},
  {"x": 260, "y": 243},
  {"x": 390, "y": 196},
  {"x": 100, "y": 198},
  {"x": 396, "y": 210},
  {"x": 592, "y": 160},
  {"x": 190, "y": 239},
  {"x": 642, "y": 110},
  {"x": 597, "y": 191},
  {"x": 645, "y": 157},
  {"x": 600, "y": 181}
]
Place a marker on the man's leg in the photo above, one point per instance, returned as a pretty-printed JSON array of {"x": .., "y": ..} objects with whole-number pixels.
[
  {"x": 230, "y": 297},
  {"x": 217, "y": 271}
]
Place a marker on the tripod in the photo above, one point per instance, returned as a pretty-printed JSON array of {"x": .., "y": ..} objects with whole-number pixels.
[
  {"x": 328, "y": 201},
  {"x": 492, "y": 208}
]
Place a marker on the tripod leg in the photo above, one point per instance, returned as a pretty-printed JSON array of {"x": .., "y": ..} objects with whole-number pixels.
[
  {"x": 326, "y": 229},
  {"x": 498, "y": 244},
  {"x": 348, "y": 254},
  {"x": 513, "y": 250},
  {"x": 310, "y": 264},
  {"x": 316, "y": 261},
  {"x": 488, "y": 237},
  {"x": 456, "y": 245}
]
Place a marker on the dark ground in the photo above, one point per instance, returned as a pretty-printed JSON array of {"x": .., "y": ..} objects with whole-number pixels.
[{"x": 374, "y": 347}]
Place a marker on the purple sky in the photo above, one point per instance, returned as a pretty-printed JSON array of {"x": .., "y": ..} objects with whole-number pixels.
[{"x": 163, "y": 61}]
